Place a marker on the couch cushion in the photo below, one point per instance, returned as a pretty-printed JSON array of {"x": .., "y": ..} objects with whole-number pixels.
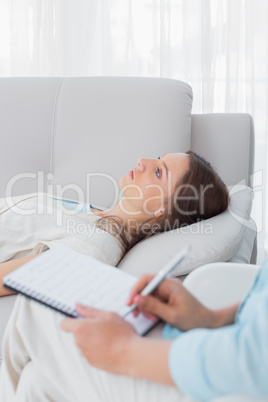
[
  {"x": 226, "y": 136},
  {"x": 214, "y": 240},
  {"x": 26, "y": 122},
  {"x": 105, "y": 124}
]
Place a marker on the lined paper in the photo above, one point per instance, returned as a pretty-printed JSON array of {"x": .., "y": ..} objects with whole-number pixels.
[{"x": 61, "y": 277}]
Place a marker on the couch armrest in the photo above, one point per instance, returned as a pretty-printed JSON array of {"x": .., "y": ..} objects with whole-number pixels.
[{"x": 218, "y": 285}]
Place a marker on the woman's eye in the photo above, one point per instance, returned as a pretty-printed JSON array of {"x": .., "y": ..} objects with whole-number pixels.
[{"x": 157, "y": 172}]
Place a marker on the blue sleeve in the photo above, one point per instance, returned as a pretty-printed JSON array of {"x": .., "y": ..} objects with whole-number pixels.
[{"x": 209, "y": 363}]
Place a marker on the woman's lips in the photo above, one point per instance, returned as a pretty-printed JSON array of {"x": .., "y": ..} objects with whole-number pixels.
[{"x": 131, "y": 174}]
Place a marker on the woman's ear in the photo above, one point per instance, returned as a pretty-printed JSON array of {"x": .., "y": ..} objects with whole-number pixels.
[{"x": 159, "y": 212}]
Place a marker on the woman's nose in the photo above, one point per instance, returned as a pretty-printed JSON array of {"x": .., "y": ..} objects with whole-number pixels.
[
  {"x": 145, "y": 163},
  {"x": 141, "y": 164}
]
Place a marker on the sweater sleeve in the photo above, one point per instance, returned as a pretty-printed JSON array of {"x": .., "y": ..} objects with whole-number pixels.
[{"x": 209, "y": 363}]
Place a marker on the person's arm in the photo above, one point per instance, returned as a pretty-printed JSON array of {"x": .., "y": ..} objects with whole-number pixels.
[
  {"x": 172, "y": 302},
  {"x": 203, "y": 363},
  {"x": 110, "y": 343},
  {"x": 148, "y": 358},
  {"x": 219, "y": 358},
  {"x": 227, "y": 360},
  {"x": 9, "y": 266}
]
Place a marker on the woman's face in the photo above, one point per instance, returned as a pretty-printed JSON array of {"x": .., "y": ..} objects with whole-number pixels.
[{"x": 148, "y": 185}]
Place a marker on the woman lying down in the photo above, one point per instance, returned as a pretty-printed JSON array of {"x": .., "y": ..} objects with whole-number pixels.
[
  {"x": 162, "y": 194},
  {"x": 100, "y": 357}
]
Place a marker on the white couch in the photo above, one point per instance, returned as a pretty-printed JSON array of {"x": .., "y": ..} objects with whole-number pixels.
[
  {"x": 57, "y": 131},
  {"x": 83, "y": 134}
]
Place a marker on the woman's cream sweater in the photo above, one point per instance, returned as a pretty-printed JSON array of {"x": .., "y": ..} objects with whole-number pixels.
[{"x": 31, "y": 223}]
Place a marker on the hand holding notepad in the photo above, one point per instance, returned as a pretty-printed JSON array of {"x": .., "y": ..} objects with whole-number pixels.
[{"x": 62, "y": 277}]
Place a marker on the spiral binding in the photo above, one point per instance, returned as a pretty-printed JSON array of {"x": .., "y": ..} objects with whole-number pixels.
[{"x": 41, "y": 298}]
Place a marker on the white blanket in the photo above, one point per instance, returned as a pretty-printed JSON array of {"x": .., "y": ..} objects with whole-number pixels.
[{"x": 31, "y": 223}]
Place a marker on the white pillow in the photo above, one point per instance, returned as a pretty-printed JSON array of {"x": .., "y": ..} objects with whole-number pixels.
[{"x": 217, "y": 239}]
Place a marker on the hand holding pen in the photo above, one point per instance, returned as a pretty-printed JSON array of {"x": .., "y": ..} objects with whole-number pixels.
[
  {"x": 173, "y": 303},
  {"x": 150, "y": 283}
]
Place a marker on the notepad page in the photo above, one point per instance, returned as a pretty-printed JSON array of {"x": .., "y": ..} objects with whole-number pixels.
[{"x": 61, "y": 277}]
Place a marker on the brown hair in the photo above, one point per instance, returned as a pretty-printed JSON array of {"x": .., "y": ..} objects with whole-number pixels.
[{"x": 200, "y": 194}]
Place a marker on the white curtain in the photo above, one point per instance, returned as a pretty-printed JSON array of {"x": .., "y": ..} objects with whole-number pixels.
[{"x": 220, "y": 47}]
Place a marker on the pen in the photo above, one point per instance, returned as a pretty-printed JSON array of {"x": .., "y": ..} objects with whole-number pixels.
[{"x": 163, "y": 274}]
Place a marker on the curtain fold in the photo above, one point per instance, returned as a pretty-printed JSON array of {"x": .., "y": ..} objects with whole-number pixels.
[{"x": 219, "y": 47}]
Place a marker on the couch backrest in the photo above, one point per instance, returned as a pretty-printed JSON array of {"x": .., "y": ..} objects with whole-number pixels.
[
  {"x": 227, "y": 141},
  {"x": 88, "y": 132}
]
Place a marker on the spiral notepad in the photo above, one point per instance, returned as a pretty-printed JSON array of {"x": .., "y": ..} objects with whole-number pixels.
[{"x": 61, "y": 277}]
